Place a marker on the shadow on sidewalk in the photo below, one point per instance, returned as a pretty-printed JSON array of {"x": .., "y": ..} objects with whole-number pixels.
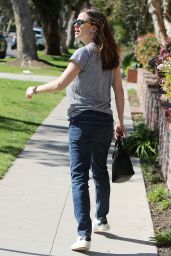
[
  {"x": 48, "y": 146},
  {"x": 116, "y": 254},
  {"x": 92, "y": 253},
  {"x": 23, "y": 252},
  {"x": 132, "y": 240},
  {"x": 115, "y": 237}
]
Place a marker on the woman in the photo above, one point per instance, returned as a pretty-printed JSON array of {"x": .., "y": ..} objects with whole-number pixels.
[{"x": 92, "y": 70}]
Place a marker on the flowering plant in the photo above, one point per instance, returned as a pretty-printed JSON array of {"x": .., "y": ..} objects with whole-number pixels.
[
  {"x": 163, "y": 62},
  {"x": 147, "y": 48}
]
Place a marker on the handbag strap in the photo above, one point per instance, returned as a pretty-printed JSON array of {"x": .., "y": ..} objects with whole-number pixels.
[{"x": 120, "y": 142}]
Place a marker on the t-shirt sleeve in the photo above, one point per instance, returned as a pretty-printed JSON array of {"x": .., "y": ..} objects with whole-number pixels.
[{"x": 80, "y": 57}]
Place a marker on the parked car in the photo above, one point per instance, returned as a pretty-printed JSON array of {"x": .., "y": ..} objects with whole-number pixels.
[
  {"x": 3, "y": 46},
  {"x": 40, "y": 39}
]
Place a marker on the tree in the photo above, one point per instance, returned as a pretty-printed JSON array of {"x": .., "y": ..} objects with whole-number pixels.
[
  {"x": 167, "y": 16},
  {"x": 6, "y": 14},
  {"x": 161, "y": 15},
  {"x": 64, "y": 17},
  {"x": 155, "y": 8},
  {"x": 70, "y": 31},
  {"x": 49, "y": 13},
  {"x": 26, "y": 46},
  {"x": 75, "y": 8},
  {"x": 129, "y": 19},
  {"x": 56, "y": 17}
]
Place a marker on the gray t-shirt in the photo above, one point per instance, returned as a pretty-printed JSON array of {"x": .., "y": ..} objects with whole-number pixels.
[{"x": 91, "y": 89}]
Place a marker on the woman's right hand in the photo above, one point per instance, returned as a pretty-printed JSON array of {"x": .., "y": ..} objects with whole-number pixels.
[{"x": 29, "y": 92}]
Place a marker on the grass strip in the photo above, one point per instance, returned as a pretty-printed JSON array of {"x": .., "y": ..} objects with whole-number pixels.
[
  {"x": 162, "y": 238},
  {"x": 20, "y": 117},
  {"x": 50, "y": 65}
]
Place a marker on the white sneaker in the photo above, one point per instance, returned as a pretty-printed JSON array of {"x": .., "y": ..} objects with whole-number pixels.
[
  {"x": 98, "y": 226},
  {"x": 82, "y": 244}
]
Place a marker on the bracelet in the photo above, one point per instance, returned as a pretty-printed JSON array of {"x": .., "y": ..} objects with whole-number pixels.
[{"x": 35, "y": 90}]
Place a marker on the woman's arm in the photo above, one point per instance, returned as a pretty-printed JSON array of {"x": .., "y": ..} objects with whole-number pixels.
[
  {"x": 119, "y": 98},
  {"x": 60, "y": 83}
]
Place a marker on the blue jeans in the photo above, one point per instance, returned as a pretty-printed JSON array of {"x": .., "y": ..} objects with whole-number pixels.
[{"x": 90, "y": 136}]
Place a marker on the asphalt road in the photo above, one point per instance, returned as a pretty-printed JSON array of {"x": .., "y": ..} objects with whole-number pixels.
[{"x": 10, "y": 52}]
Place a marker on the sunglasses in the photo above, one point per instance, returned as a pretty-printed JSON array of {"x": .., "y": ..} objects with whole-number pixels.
[{"x": 79, "y": 22}]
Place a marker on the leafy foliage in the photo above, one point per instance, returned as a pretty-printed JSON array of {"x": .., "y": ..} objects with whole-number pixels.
[
  {"x": 163, "y": 62},
  {"x": 129, "y": 18},
  {"x": 146, "y": 49},
  {"x": 129, "y": 61},
  {"x": 6, "y": 13},
  {"x": 162, "y": 238},
  {"x": 151, "y": 174},
  {"x": 158, "y": 194},
  {"x": 143, "y": 143}
]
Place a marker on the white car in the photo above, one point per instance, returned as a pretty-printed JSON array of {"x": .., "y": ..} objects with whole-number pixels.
[{"x": 40, "y": 39}]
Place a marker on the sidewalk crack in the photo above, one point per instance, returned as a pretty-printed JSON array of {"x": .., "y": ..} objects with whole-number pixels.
[{"x": 59, "y": 221}]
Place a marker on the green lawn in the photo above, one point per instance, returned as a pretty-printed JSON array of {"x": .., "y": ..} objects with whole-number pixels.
[
  {"x": 20, "y": 117},
  {"x": 57, "y": 64}
]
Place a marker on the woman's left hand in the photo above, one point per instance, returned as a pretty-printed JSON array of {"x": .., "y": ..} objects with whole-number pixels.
[{"x": 120, "y": 130}]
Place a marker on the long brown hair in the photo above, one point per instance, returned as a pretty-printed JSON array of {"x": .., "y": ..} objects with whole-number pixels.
[{"x": 104, "y": 39}]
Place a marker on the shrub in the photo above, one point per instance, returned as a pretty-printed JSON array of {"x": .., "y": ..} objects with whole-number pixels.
[
  {"x": 162, "y": 238},
  {"x": 143, "y": 143},
  {"x": 158, "y": 194},
  {"x": 147, "y": 48},
  {"x": 129, "y": 61}
]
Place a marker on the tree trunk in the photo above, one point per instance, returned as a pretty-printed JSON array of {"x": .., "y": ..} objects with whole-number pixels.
[
  {"x": 70, "y": 32},
  {"x": 48, "y": 12},
  {"x": 64, "y": 18},
  {"x": 26, "y": 45},
  {"x": 64, "y": 48},
  {"x": 73, "y": 15},
  {"x": 52, "y": 37},
  {"x": 167, "y": 16},
  {"x": 8, "y": 26},
  {"x": 157, "y": 17}
]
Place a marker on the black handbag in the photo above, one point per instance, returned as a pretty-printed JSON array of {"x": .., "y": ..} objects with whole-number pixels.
[{"x": 122, "y": 169}]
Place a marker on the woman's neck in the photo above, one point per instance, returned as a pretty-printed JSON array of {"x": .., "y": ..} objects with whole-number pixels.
[{"x": 86, "y": 42}]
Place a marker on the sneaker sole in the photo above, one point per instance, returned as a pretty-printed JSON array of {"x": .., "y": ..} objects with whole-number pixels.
[
  {"x": 99, "y": 230},
  {"x": 82, "y": 247}
]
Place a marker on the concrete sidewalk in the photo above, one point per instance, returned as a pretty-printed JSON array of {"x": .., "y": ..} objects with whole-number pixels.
[
  {"x": 27, "y": 77},
  {"x": 36, "y": 216}
]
